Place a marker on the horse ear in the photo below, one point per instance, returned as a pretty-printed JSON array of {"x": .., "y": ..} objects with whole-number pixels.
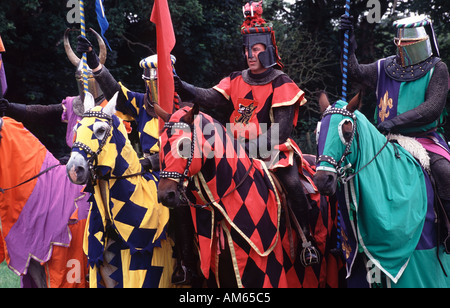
[
  {"x": 355, "y": 102},
  {"x": 190, "y": 115},
  {"x": 324, "y": 102},
  {"x": 89, "y": 101},
  {"x": 110, "y": 108},
  {"x": 161, "y": 113}
]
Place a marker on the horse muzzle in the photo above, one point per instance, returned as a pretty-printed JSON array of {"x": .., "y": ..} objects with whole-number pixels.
[
  {"x": 77, "y": 169},
  {"x": 168, "y": 193},
  {"x": 326, "y": 182}
]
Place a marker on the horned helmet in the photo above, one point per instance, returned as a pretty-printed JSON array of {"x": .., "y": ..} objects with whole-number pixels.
[{"x": 93, "y": 86}]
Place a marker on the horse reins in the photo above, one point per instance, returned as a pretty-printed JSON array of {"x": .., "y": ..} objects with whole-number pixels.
[
  {"x": 325, "y": 158},
  {"x": 2, "y": 190}
]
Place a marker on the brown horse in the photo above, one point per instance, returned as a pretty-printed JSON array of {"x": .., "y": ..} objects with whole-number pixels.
[{"x": 245, "y": 237}]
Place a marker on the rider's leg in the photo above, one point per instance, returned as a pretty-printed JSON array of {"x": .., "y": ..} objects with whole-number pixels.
[
  {"x": 184, "y": 242},
  {"x": 297, "y": 200},
  {"x": 440, "y": 169}
]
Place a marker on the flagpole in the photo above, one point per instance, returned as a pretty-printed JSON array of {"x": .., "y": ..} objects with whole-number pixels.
[
  {"x": 345, "y": 55},
  {"x": 84, "y": 58}
]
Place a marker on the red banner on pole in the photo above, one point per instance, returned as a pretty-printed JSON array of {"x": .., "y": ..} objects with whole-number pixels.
[{"x": 165, "y": 41}]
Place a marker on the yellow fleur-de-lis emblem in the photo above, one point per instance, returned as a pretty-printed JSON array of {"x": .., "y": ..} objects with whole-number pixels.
[{"x": 385, "y": 103}]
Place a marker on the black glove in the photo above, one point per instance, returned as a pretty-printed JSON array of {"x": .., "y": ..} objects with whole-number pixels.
[
  {"x": 185, "y": 90},
  {"x": 347, "y": 24},
  {"x": 4, "y": 105},
  {"x": 151, "y": 162},
  {"x": 84, "y": 46},
  {"x": 13, "y": 110},
  {"x": 386, "y": 126}
]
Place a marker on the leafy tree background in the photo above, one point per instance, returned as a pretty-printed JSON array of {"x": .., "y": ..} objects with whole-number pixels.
[{"x": 208, "y": 47}]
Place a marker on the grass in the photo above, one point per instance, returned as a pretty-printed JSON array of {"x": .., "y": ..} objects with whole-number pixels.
[{"x": 7, "y": 278}]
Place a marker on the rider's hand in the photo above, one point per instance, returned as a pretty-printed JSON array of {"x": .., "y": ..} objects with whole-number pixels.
[
  {"x": 4, "y": 105},
  {"x": 84, "y": 46},
  {"x": 346, "y": 24},
  {"x": 186, "y": 91},
  {"x": 151, "y": 162},
  {"x": 386, "y": 126}
]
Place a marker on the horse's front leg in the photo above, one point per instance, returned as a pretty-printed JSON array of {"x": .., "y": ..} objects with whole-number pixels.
[
  {"x": 37, "y": 273},
  {"x": 106, "y": 269}
]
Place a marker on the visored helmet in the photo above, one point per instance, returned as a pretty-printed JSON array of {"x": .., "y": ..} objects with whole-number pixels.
[
  {"x": 415, "y": 40},
  {"x": 150, "y": 75},
  {"x": 255, "y": 30}
]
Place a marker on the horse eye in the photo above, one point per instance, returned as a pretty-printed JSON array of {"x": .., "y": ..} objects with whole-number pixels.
[
  {"x": 184, "y": 148},
  {"x": 347, "y": 130},
  {"x": 100, "y": 130}
]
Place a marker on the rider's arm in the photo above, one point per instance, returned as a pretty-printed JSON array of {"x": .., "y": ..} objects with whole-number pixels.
[
  {"x": 32, "y": 113},
  {"x": 366, "y": 74},
  {"x": 430, "y": 110},
  {"x": 206, "y": 98}
]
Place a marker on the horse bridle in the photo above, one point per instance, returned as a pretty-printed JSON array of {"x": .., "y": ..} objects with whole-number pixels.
[
  {"x": 92, "y": 160},
  {"x": 341, "y": 171},
  {"x": 325, "y": 158},
  {"x": 182, "y": 177}
]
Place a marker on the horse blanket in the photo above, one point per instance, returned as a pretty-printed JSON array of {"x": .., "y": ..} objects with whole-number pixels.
[
  {"x": 43, "y": 214},
  {"x": 387, "y": 209},
  {"x": 250, "y": 218},
  {"x": 125, "y": 216}
]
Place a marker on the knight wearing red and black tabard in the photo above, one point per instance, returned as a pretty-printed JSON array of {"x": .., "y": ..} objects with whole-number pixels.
[{"x": 265, "y": 98}]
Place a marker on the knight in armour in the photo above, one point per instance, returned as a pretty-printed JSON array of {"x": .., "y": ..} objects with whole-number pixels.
[
  {"x": 71, "y": 109},
  {"x": 138, "y": 107},
  {"x": 262, "y": 98},
  {"x": 411, "y": 89}
]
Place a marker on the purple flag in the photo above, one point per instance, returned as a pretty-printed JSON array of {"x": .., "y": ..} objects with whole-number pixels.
[{"x": 3, "y": 85}]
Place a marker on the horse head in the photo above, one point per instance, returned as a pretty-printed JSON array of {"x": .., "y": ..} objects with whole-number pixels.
[
  {"x": 93, "y": 142},
  {"x": 335, "y": 137},
  {"x": 179, "y": 155}
]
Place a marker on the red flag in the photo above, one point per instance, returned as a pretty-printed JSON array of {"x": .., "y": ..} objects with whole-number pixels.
[{"x": 165, "y": 41}]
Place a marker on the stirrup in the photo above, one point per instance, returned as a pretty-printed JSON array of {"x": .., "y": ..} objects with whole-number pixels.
[
  {"x": 309, "y": 255},
  {"x": 446, "y": 243},
  {"x": 181, "y": 275}
]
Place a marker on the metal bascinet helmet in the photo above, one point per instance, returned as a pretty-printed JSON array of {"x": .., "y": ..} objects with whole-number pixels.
[
  {"x": 150, "y": 75},
  {"x": 415, "y": 40},
  {"x": 93, "y": 86},
  {"x": 255, "y": 30}
]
